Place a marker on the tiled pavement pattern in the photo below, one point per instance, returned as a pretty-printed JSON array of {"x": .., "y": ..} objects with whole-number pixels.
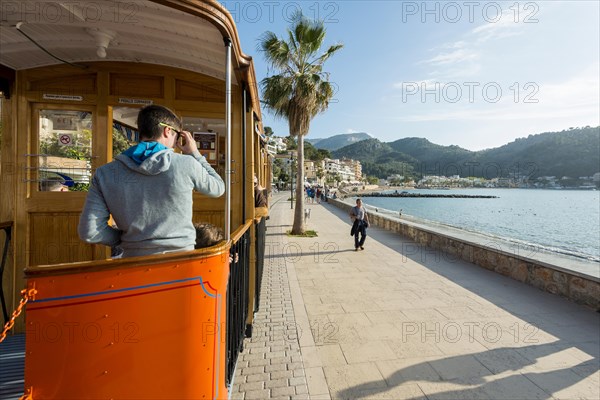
[
  {"x": 397, "y": 321},
  {"x": 270, "y": 367}
]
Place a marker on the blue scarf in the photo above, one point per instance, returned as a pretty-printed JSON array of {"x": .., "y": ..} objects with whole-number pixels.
[{"x": 143, "y": 150}]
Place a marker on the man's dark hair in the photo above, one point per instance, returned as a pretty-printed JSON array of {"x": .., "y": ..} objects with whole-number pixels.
[
  {"x": 149, "y": 119},
  {"x": 207, "y": 235},
  {"x": 52, "y": 184}
]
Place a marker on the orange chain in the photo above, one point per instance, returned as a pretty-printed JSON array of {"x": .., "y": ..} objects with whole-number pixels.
[
  {"x": 27, "y": 294},
  {"x": 28, "y": 395}
]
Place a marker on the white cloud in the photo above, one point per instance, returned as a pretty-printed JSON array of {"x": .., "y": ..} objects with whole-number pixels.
[
  {"x": 510, "y": 23},
  {"x": 457, "y": 45},
  {"x": 574, "y": 99},
  {"x": 456, "y": 56},
  {"x": 462, "y": 57}
]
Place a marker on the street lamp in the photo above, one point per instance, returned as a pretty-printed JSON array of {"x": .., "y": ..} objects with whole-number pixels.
[{"x": 291, "y": 180}]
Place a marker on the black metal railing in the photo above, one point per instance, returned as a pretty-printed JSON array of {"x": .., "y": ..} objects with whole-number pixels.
[
  {"x": 261, "y": 231},
  {"x": 7, "y": 228},
  {"x": 237, "y": 298}
]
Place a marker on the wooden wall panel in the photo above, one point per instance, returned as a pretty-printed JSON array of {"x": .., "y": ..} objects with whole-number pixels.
[
  {"x": 7, "y": 196},
  {"x": 53, "y": 239},
  {"x": 137, "y": 85},
  {"x": 71, "y": 84},
  {"x": 216, "y": 217},
  {"x": 207, "y": 91}
]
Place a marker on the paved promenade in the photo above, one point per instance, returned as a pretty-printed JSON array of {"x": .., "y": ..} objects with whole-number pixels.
[{"x": 396, "y": 321}]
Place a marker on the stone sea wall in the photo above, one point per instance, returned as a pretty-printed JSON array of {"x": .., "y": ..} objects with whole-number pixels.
[{"x": 580, "y": 288}]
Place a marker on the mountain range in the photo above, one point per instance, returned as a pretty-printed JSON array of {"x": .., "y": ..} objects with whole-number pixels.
[
  {"x": 339, "y": 141},
  {"x": 573, "y": 153}
]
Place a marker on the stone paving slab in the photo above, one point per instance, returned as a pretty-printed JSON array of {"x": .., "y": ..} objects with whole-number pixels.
[{"x": 380, "y": 324}]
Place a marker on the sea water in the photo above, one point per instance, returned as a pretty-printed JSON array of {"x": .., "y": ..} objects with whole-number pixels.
[{"x": 562, "y": 221}]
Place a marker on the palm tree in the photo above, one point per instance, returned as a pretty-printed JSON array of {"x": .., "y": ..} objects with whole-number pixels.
[{"x": 300, "y": 90}]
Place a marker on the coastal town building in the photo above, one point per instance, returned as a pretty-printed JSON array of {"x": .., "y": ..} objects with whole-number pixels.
[
  {"x": 395, "y": 179},
  {"x": 276, "y": 145},
  {"x": 347, "y": 174},
  {"x": 335, "y": 167},
  {"x": 327, "y": 171},
  {"x": 437, "y": 181},
  {"x": 354, "y": 166},
  {"x": 332, "y": 166},
  {"x": 310, "y": 171},
  {"x": 345, "y": 169}
]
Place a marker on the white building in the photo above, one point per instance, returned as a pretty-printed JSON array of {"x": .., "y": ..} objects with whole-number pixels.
[
  {"x": 332, "y": 166},
  {"x": 276, "y": 145},
  {"x": 346, "y": 169},
  {"x": 355, "y": 166}
]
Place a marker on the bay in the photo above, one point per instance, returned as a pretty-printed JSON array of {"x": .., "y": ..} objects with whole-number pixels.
[{"x": 561, "y": 221}]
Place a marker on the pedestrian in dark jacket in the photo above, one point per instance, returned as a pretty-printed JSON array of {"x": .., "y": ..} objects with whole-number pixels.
[{"x": 360, "y": 223}]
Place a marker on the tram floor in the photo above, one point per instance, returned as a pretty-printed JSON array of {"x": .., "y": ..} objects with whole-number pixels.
[{"x": 12, "y": 365}]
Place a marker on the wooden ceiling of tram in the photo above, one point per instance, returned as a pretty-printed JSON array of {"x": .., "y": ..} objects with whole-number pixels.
[{"x": 134, "y": 32}]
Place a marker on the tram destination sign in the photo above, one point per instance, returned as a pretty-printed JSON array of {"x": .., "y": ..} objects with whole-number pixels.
[
  {"x": 126, "y": 100},
  {"x": 63, "y": 97}
]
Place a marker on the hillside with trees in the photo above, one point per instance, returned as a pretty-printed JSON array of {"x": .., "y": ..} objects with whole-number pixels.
[
  {"x": 378, "y": 158},
  {"x": 573, "y": 153}
]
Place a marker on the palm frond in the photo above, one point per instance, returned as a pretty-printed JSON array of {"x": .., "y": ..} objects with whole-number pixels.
[
  {"x": 300, "y": 89},
  {"x": 330, "y": 51}
]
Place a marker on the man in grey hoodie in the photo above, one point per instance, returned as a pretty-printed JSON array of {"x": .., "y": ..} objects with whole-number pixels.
[{"x": 148, "y": 190}]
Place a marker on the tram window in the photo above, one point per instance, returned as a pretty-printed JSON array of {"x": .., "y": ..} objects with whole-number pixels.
[
  {"x": 65, "y": 150},
  {"x": 124, "y": 130}
]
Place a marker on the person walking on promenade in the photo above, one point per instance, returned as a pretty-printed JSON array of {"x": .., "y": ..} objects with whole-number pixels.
[
  {"x": 148, "y": 190},
  {"x": 360, "y": 223}
]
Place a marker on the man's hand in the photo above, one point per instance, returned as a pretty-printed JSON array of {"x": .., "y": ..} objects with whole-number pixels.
[{"x": 189, "y": 145}]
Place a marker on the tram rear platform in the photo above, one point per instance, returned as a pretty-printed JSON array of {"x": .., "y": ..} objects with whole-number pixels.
[{"x": 379, "y": 324}]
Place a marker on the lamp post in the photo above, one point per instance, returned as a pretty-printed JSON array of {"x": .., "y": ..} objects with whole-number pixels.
[{"x": 291, "y": 179}]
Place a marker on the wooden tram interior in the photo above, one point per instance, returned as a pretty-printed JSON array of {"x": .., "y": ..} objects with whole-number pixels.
[{"x": 71, "y": 108}]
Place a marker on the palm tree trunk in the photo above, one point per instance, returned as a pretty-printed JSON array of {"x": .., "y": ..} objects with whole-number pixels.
[{"x": 298, "y": 227}]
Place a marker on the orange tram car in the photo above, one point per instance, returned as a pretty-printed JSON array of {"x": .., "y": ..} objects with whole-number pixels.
[{"x": 73, "y": 76}]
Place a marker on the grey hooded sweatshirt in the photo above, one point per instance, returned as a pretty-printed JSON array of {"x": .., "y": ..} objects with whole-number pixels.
[{"x": 151, "y": 203}]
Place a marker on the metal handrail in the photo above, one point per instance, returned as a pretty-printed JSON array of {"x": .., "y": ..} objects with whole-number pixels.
[
  {"x": 237, "y": 234},
  {"x": 237, "y": 298},
  {"x": 6, "y": 226}
]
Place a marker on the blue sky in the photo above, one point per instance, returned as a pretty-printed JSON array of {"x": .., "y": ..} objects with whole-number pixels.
[{"x": 477, "y": 74}]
